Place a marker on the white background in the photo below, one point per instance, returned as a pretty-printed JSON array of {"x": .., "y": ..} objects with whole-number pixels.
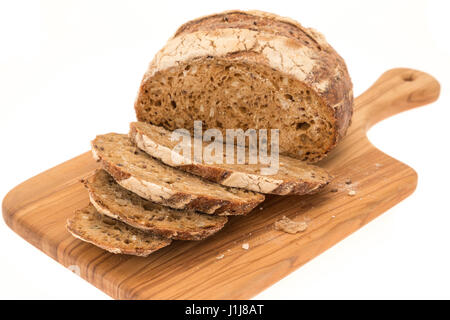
[{"x": 70, "y": 70}]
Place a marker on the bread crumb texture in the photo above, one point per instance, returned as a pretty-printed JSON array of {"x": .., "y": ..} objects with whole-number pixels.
[{"x": 251, "y": 70}]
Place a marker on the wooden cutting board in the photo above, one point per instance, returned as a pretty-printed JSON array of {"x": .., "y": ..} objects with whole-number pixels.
[{"x": 38, "y": 208}]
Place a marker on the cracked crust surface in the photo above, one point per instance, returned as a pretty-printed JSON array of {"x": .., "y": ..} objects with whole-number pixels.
[
  {"x": 293, "y": 176},
  {"x": 289, "y": 67},
  {"x": 136, "y": 171},
  {"x": 110, "y": 199},
  {"x": 111, "y": 235}
]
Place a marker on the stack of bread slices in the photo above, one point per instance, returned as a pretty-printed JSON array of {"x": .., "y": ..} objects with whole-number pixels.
[{"x": 230, "y": 70}]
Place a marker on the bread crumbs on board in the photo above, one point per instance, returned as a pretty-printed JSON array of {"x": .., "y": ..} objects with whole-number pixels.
[
  {"x": 346, "y": 185},
  {"x": 289, "y": 226},
  {"x": 245, "y": 246}
]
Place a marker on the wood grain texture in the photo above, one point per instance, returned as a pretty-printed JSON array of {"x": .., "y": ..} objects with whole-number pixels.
[{"x": 38, "y": 208}]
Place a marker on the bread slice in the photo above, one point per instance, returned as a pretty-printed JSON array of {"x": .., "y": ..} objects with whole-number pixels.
[
  {"x": 114, "y": 236},
  {"x": 251, "y": 70},
  {"x": 149, "y": 178},
  {"x": 293, "y": 176},
  {"x": 110, "y": 199}
]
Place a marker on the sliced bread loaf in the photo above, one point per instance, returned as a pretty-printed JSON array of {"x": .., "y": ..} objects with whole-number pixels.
[
  {"x": 110, "y": 199},
  {"x": 149, "y": 178},
  {"x": 293, "y": 176},
  {"x": 114, "y": 236},
  {"x": 251, "y": 70}
]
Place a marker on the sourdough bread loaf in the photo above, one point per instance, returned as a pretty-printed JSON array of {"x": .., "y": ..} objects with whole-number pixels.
[
  {"x": 251, "y": 70},
  {"x": 110, "y": 199},
  {"x": 293, "y": 176},
  {"x": 149, "y": 178},
  {"x": 114, "y": 236}
]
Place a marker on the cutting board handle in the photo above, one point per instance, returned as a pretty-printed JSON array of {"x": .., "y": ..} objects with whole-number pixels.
[{"x": 397, "y": 90}]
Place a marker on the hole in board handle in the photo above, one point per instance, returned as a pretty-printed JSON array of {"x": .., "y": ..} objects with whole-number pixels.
[{"x": 408, "y": 77}]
